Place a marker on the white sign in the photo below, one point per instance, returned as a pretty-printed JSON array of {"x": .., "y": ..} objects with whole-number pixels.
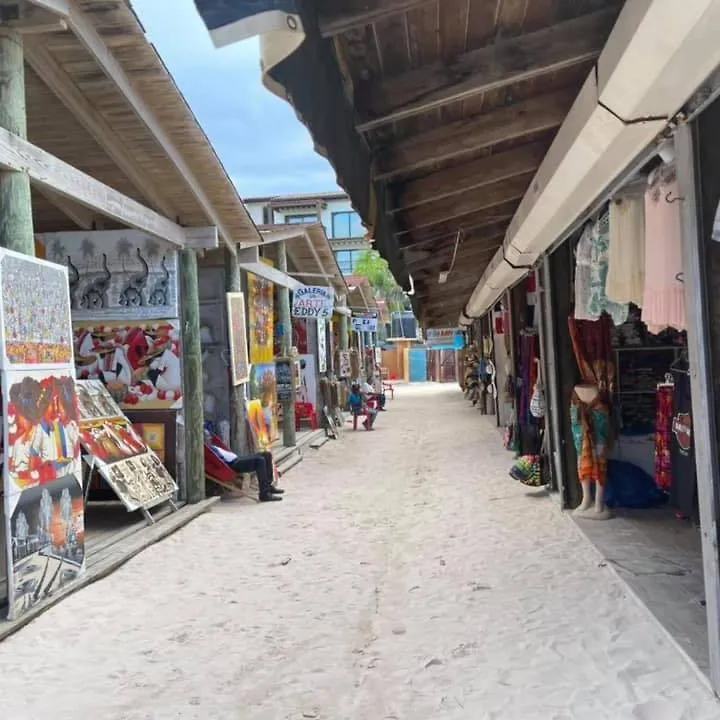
[
  {"x": 364, "y": 324},
  {"x": 322, "y": 346},
  {"x": 313, "y": 301}
]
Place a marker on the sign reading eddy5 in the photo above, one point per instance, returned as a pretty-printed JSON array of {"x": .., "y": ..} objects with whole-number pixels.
[{"x": 313, "y": 301}]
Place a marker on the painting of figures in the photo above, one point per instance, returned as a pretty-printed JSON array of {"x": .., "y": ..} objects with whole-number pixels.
[
  {"x": 238, "y": 338},
  {"x": 47, "y": 541},
  {"x": 35, "y": 312},
  {"x": 94, "y": 401},
  {"x": 43, "y": 436},
  {"x": 109, "y": 441},
  {"x": 263, "y": 387},
  {"x": 139, "y": 363},
  {"x": 141, "y": 481},
  {"x": 116, "y": 274}
]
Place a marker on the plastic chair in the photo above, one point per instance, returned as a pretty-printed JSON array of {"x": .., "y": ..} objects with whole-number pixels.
[{"x": 307, "y": 412}]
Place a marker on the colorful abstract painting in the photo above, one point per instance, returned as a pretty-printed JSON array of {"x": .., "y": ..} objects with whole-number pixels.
[
  {"x": 322, "y": 345},
  {"x": 36, "y": 328},
  {"x": 258, "y": 425},
  {"x": 116, "y": 274},
  {"x": 240, "y": 365},
  {"x": 263, "y": 387},
  {"x": 261, "y": 320},
  {"x": 42, "y": 429},
  {"x": 138, "y": 363}
]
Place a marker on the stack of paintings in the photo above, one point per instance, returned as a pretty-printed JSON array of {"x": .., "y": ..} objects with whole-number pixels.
[{"x": 134, "y": 472}]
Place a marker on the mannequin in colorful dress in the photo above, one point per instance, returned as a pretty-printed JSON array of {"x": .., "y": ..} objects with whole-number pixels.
[{"x": 590, "y": 419}]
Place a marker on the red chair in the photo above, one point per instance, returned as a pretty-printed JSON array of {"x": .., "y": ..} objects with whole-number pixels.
[
  {"x": 216, "y": 469},
  {"x": 355, "y": 417},
  {"x": 305, "y": 411}
]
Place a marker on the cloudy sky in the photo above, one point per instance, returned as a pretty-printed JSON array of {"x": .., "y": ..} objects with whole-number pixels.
[{"x": 264, "y": 147}]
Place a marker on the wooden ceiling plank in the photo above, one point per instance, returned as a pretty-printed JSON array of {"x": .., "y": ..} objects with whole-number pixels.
[
  {"x": 467, "y": 203},
  {"x": 471, "y": 175},
  {"x": 499, "y": 221},
  {"x": 440, "y": 260},
  {"x": 509, "y": 61},
  {"x": 541, "y": 113},
  {"x": 48, "y": 70},
  {"x": 84, "y": 218},
  {"x": 373, "y": 11}
]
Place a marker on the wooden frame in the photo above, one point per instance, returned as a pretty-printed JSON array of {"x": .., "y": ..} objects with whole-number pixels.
[{"x": 237, "y": 335}]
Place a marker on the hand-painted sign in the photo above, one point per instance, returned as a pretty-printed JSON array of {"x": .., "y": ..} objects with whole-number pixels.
[
  {"x": 285, "y": 382},
  {"x": 313, "y": 301},
  {"x": 365, "y": 323}
]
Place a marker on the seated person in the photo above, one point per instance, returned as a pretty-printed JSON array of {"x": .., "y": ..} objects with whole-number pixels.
[
  {"x": 259, "y": 463},
  {"x": 371, "y": 392},
  {"x": 358, "y": 406}
]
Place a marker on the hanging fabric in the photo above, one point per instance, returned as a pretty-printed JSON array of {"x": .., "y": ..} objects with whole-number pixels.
[
  {"x": 683, "y": 494},
  {"x": 626, "y": 255},
  {"x": 583, "y": 255},
  {"x": 537, "y": 401},
  {"x": 599, "y": 258},
  {"x": 590, "y": 423},
  {"x": 592, "y": 346},
  {"x": 664, "y": 295},
  {"x": 663, "y": 434}
]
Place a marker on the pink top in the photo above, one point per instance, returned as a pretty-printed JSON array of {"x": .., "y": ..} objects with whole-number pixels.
[{"x": 664, "y": 295}]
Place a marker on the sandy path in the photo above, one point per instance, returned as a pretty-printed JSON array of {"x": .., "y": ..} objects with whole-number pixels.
[{"x": 405, "y": 577}]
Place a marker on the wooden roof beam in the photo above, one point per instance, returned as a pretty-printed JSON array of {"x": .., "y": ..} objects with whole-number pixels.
[
  {"x": 443, "y": 258},
  {"x": 341, "y": 21},
  {"x": 93, "y": 42},
  {"x": 469, "y": 176},
  {"x": 56, "y": 176},
  {"x": 512, "y": 122},
  {"x": 506, "y": 62},
  {"x": 467, "y": 203},
  {"x": 498, "y": 224}
]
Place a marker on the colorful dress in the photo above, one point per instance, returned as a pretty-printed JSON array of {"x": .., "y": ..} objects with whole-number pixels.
[
  {"x": 599, "y": 262},
  {"x": 591, "y": 435}
]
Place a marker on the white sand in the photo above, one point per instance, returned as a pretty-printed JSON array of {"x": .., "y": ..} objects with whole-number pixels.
[{"x": 405, "y": 577}]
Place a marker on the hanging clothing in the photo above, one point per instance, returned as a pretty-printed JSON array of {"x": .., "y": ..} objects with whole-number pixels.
[
  {"x": 583, "y": 257},
  {"x": 663, "y": 437},
  {"x": 683, "y": 494},
  {"x": 626, "y": 253},
  {"x": 590, "y": 424},
  {"x": 664, "y": 295},
  {"x": 592, "y": 346},
  {"x": 599, "y": 258}
]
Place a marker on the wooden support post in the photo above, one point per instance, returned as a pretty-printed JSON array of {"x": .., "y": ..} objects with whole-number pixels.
[
  {"x": 286, "y": 345},
  {"x": 344, "y": 333},
  {"x": 16, "y": 223},
  {"x": 192, "y": 378},
  {"x": 238, "y": 433}
]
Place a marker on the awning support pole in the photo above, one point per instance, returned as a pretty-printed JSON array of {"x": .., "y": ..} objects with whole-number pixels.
[
  {"x": 289, "y": 439},
  {"x": 192, "y": 379},
  {"x": 704, "y": 430},
  {"x": 16, "y": 222}
]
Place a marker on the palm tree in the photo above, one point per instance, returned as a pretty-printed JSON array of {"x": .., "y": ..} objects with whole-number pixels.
[
  {"x": 152, "y": 250},
  {"x": 88, "y": 252},
  {"x": 57, "y": 250}
]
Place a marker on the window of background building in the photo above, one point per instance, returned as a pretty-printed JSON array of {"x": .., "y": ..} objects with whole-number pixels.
[
  {"x": 347, "y": 260},
  {"x": 301, "y": 219},
  {"x": 346, "y": 225}
]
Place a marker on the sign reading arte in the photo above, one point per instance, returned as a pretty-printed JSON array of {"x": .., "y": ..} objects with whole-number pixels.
[
  {"x": 313, "y": 301},
  {"x": 366, "y": 322}
]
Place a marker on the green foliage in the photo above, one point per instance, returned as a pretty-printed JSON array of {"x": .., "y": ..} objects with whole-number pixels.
[{"x": 372, "y": 266}]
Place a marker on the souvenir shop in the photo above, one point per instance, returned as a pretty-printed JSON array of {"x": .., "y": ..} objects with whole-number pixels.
[{"x": 628, "y": 306}]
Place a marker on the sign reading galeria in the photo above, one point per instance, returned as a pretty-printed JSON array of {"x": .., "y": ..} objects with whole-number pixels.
[{"x": 313, "y": 301}]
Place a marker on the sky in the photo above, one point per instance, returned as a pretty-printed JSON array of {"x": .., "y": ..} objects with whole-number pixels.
[{"x": 266, "y": 150}]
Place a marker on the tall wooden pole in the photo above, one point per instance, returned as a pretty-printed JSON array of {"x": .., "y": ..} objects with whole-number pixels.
[
  {"x": 192, "y": 378},
  {"x": 238, "y": 434},
  {"x": 344, "y": 335},
  {"x": 286, "y": 346},
  {"x": 16, "y": 223}
]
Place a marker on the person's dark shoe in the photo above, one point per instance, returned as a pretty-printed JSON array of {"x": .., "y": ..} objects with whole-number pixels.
[
  {"x": 277, "y": 491},
  {"x": 270, "y": 498}
]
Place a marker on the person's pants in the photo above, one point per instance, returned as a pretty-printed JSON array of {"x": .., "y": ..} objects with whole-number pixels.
[
  {"x": 262, "y": 465},
  {"x": 380, "y": 398}
]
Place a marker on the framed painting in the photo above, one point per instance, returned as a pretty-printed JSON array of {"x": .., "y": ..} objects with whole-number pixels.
[{"x": 237, "y": 330}]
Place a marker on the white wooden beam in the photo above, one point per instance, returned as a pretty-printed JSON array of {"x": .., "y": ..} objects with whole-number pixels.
[
  {"x": 204, "y": 238},
  {"x": 68, "y": 93},
  {"x": 80, "y": 215},
  {"x": 46, "y": 170},
  {"x": 95, "y": 45}
]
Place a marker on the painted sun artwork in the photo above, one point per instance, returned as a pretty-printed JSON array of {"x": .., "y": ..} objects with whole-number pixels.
[{"x": 35, "y": 312}]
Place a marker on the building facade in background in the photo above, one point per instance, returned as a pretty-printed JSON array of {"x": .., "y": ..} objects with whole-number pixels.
[{"x": 342, "y": 224}]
